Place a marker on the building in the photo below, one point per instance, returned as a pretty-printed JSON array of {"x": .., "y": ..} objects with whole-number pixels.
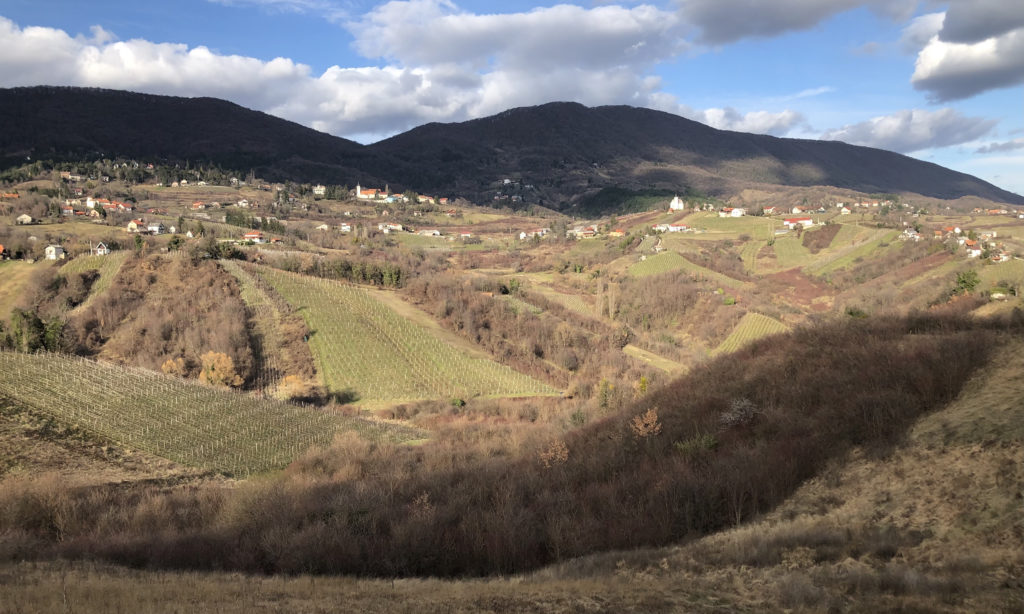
[
  {"x": 793, "y": 222},
  {"x": 24, "y": 218},
  {"x": 101, "y": 249},
  {"x": 54, "y": 252},
  {"x": 677, "y": 204},
  {"x": 319, "y": 190},
  {"x": 254, "y": 236}
]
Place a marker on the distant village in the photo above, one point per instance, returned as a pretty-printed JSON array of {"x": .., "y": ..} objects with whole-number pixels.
[{"x": 383, "y": 211}]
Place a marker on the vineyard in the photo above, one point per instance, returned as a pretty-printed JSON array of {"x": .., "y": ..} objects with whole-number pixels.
[
  {"x": 665, "y": 262},
  {"x": 368, "y": 352},
  {"x": 879, "y": 240},
  {"x": 266, "y": 333},
  {"x": 752, "y": 327},
  {"x": 108, "y": 266},
  {"x": 183, "y": 421}
]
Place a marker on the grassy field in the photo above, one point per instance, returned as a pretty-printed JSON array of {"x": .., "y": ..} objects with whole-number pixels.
[
  {"x": 725, "y": 227},
  {"x": 183, "y": 421},
  {"x": 664, "y": 262},
  {"x": 992, "y": 274},
  {"x": 14, "y": 274},
  {"x": 752, "y": 327},
  {"x": 108, "y": 266},
  {"x": 790, "y": 252},
  {"x": 368, "y": 352},
  {"x": 863, "y": 250},
  {"x": 749, "y": 255}
]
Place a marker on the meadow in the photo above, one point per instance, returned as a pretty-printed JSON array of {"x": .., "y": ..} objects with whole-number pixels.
[
  {"x": 184, "y": 421},
  {"x": 14, "y": 275},
  {"x": 367, "y": 352}
]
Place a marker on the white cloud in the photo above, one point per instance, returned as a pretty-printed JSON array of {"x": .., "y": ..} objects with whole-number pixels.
[
  {"x": 441, "y": 64},
  {"x": 913, "y": 130},
  {"x": 951, "y": 71},
  {"x": 726, "y": 21},
  {"x": 921, "y": 30}
]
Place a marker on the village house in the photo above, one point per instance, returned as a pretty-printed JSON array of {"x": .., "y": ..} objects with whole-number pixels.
[
  {"x": 319, "y": 190},
  {"x": 54, "y": 252},
  {"x": 660, "y": 228},
  {"x": 368, "y": 194},
  {"x": 429, "y": 232},
  {"x": 678, "y": 227},
  {"x": 793, "y": 222},
  {"x": 255, "y": 236},
  {"x": 388, "y": 228},
  {"x": 4, "y": 254},
  {"x": 910, "y": 234},
  {"x": 24, "y": 219},
  {"x": 198, "y": 205},
  {"x": 772, "y": 210},
  {"x": 844, "y": 210},
  {"x": 101, "y": 249},
  {"x": 538, "y": 232},
  {"x": 732, "y": 212},
  {"x": 345, "y": 227},
  {"x": 972, "y": 248},
  {"x": 136, "y": 226},
  {"x": 618, "y": 232},
  {"x": 67, "y": 210}
]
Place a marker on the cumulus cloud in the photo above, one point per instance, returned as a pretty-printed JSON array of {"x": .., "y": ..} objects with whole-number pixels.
[
  {"x": 952, "y": 71},
  {"x": 1005, "y": 146},
  {"x": 973, "y": 21},
  {"x": 438, "y": 63},
  {"x": 913, "y": 130},
  {"x": 726, "y": 21}
]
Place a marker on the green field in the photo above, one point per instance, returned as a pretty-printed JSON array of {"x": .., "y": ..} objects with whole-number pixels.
[
  {"x": 751, "y": 327},
  {"x": 725, "y": 227},
  {"x": 849, "y": 257},
  {"x": 749, "y": 255},
  {"x": 366, "y": 350},
  {"x": 181, "y": 420},
  {"x": 790, "y": 252},
  {"x": 664, "y": 262},
  {"x": 108, "y": 266}
]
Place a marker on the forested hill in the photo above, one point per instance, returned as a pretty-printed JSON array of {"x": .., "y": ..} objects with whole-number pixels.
[{"x": 562, "y": 150}]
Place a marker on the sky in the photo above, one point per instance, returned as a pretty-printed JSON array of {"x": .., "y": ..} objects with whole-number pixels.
[{"x": 941, "y": 81}]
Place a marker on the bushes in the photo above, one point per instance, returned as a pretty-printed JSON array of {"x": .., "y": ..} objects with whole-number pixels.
[{"x": 793, "y": 406}]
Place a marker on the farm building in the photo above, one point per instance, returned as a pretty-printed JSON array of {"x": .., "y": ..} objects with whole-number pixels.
[
  {"x": 793, "y": 222},
  {"x": 24, "y": 218},
  {"x": 254, "y": 236},
  {"x": 54, "y": 252}
]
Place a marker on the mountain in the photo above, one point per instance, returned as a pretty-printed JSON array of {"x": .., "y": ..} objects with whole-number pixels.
[
  {"x": 69, "y": 123},
  {"x": 553, "y": 154},
  {"x": 565, "y": 149}
]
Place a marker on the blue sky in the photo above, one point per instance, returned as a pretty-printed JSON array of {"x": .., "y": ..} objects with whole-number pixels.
[{"x": 939, "y": 80}]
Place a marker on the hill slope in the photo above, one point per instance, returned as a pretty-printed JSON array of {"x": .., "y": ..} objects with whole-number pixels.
[
  {"x": 68, "y": 123},
  {"x": 564, "y": 148},
  {"x": 560, "y": 149}
]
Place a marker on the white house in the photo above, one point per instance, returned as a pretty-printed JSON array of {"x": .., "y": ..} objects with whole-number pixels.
[
  {"x": 732, "y": 212},
  {"x": 345, "y": 227},
  {"x": 156, "y": 228},
  {"x": 323, "y": 227},
  {"x": 430, "y": 232},
  {"x": 319, "y": 190},
  {"x": 677, "y": 204},
  {"x": 536, "y": 232},
  {"x": 54, "y": 252},
  {"x": 24, "y": 218},
  {"x": 100, "y": 250},
  {"x": 254, "y": 236},
  {"x": 793, "y": 222},
  {"x": 678, "y": 227}
]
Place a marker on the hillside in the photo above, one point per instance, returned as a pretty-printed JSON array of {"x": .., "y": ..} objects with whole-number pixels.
[
  {"x": 67, "y": 123},
  {"x": 553, "y": 154},
  {"x": 566, "y": 149}
]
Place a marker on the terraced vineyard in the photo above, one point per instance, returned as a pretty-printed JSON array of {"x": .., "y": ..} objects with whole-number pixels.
[
  {"x": 751, "y": 327},
  {"x": 364, "y": 349},
  {"x": 108, "y": 266},
  {"x": 184, "y": 421}
]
